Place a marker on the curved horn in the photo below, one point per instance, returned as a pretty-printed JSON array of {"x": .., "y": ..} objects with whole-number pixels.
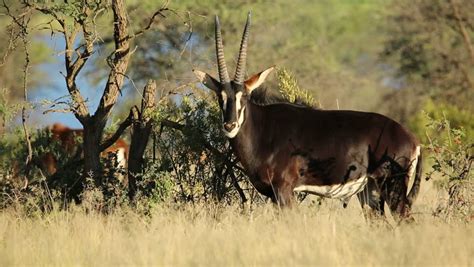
[
  {"x": 223, "y": 74},
  {"x": 240, "y": 69}
]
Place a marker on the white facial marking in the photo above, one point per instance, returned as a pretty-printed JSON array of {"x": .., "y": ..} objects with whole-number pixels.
[
  {"x": 341, "y": 191},
  {"x": 224, "y": 100},
  {"x": 238, "y": 104},
  {"x": 240, "y": 115},
  {"x": 232, "y": 133}
]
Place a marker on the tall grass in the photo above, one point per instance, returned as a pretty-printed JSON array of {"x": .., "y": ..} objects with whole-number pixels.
[{"x": 223, "y": 236}]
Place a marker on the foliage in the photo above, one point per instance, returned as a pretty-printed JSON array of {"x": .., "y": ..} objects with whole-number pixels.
[
  {"x": 12, "y": 55},
  {"x": 194, "y": 154},
  {"x": 431, "y": 43},
  {"x": 331, "y": 44},
  {"x": 45, "y": 190},
  {"x": 7, "y": 109},
  {"x": 290, "y": 90},
  {"x": 441, "y": 111},
  {"x": 157, "y": 185},
  {"x": 452, "y": 156}
]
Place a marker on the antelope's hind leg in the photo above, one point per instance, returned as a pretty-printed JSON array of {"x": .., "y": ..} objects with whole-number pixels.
[{"x": 371, "y": 201}]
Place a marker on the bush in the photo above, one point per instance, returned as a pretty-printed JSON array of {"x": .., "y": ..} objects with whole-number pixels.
[
  {"x": 452, "y": 157},
  {"x": 290, "y": 90},
  {"x": 194, "y": 159},
  {"x": 441, "y": 112}
]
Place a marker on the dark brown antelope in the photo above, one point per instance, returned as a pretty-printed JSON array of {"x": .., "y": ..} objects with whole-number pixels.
[{"x": 287, "y": 148}]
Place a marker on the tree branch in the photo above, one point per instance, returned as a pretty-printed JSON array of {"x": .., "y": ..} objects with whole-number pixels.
[
  {"x": 150, "y": 22},
  {"x": 119, "y": 61},
  {"x": 122, "y": 127},
  {"x": 73, "y": 67}
]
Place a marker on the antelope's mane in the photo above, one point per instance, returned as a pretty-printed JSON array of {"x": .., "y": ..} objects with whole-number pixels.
[{"x": 263, "y": 96}]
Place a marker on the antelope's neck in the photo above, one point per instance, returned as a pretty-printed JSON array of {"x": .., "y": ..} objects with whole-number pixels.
[{"x": 245, "y": 143}]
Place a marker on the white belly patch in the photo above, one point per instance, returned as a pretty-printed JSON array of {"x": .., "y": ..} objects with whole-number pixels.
[{"x": 342, "y": 191}]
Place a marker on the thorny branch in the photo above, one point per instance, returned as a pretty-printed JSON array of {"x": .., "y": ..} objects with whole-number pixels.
[
  {"x": 228, "y": 162},
  {"x": 22, "y": 22}
]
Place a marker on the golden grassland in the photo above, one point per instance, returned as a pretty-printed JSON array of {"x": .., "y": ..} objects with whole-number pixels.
[{"x": 230, "y": 236}]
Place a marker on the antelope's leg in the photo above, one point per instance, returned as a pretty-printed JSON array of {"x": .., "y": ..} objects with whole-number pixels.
[
  {"x": 283, "y": 194},
  {"x": 371, "y": 200}
]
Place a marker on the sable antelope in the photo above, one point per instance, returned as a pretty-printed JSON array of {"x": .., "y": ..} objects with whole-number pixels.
[
  {"x": 67, "y": 139},
  {"x": 286, "y": 148}
]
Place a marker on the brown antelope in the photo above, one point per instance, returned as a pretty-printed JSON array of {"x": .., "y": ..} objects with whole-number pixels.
[
  {"x": 287, "y": 148},
  {"x": 67, "y": 138}
]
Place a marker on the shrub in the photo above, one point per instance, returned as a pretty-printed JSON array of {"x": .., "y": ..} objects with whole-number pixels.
[
  {"x": 452, "y": 157},
  {"x": 290, "y": 90},
  {"x": 194, "y": 159},
  {"x": 441, "y": 112}
]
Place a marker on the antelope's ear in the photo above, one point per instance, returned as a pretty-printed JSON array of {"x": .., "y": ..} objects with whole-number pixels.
[
  {"x": 256, "y": 80},
  {"x": 207, "y": 80}
]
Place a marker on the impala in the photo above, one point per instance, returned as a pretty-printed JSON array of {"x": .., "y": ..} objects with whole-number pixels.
[{"x": 286, "y": 148}]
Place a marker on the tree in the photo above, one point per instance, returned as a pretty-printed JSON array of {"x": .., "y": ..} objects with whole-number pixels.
[
  {"x": 76, "y": 22},
  {"x": 432, "y": 45}
]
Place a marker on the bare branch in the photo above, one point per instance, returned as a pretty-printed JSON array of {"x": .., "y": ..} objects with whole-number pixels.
[
  {"x": 150, "y": 22},
  {"x": 122, "y": 127}
]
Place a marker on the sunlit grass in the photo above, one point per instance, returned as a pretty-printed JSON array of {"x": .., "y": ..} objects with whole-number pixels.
[{"x": 223, "y": 236}]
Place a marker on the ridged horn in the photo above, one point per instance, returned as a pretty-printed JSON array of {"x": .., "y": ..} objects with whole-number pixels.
[
  {"x": 240, "y": 69},
  {"x": 223, "y": 74}
]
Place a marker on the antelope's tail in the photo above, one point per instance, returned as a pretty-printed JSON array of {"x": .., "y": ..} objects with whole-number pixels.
[{"x": 415, "y": 189}]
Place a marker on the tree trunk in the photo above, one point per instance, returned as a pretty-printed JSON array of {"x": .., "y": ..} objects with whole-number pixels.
[
  {"x": 141, "y": 130},
  {"x": 92, "y": 138},
  {"x": 94, "y": 125}
]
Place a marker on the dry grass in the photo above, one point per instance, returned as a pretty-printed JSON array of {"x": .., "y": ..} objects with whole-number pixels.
[{"x": 308, "y": 235}]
